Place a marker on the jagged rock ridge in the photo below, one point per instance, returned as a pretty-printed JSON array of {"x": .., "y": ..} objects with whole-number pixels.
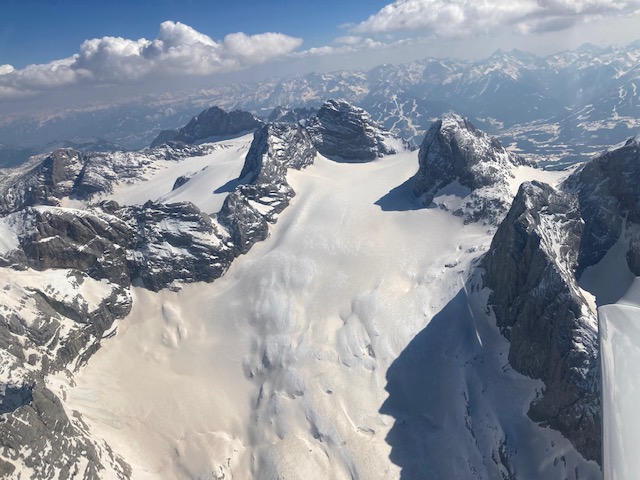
[
  {"x": 46, "y": 179},
  {"x": 540, "y": 309},
  {"x": 248, "y": 209}
]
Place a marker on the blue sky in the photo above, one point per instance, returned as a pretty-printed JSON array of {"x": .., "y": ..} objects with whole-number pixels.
[
  {"x": 38, "y": 31},
  {"x": 102, "y": 48}
]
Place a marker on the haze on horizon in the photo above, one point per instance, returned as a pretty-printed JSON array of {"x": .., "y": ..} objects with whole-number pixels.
[{"x": 68, "y": 54}]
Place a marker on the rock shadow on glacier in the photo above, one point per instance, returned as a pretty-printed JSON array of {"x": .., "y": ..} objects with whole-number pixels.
[
  {"x": 459, "y": 408},
  {"x": 400, "y": 199},
  {"x": 232, "y": 184},
  {"x": 426, "y": 384}
]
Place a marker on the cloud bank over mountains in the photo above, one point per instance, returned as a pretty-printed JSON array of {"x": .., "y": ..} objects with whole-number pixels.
[
  {"x": 404, "y": 30},
  {"x": 178, "y": 50},
  {"x": 454, "y": 18}
]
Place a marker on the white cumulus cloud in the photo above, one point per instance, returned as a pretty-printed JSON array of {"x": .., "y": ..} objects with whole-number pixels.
[
  {"x": 452, "y": 18},
  {"x": 348, "y": 45},
  {"x": 178, "y": 50}
]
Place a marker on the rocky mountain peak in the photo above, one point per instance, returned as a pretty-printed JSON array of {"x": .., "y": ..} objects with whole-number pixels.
[
  {"x": 344, "y": 132},
  {"x": 212, "y": 122},
  {"x": 609, "y": 196},
  {"x": 541, "y": 310},
  {"x": 42, "y": 181},
  {"x": 458, "y": 159},
  {"x": 533, "y": 268},
  {"x": 247, "y": 210},
  {"x": 275, "y": 148}
]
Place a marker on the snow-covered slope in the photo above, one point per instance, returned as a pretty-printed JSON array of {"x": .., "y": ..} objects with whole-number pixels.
[
  {"x": 281, "y": 367},
  {"x": 198, "y": 173}
]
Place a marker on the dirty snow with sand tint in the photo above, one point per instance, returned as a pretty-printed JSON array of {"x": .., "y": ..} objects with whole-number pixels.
[{"x": 278, "y": 369}]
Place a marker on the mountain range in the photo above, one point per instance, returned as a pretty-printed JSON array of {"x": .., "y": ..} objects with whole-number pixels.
[
  {"x": 309, "y": 299},
  {"x": 555, "y": 108}
]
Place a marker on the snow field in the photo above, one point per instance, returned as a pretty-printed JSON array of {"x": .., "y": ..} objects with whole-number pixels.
[{"x": 279, "y": 369}]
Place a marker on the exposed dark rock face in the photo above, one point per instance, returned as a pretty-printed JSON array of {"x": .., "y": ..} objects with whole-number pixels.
[
  {"x": 247, "y": 210},
  {"x": 57, "y": 445},
  {"x": 455, "y": 154},
  {"x": 93, "y": 242},
  {"x": 44, "y": 181},
  {"x": 539, "y": 308},
  {"x": 14, "y": 396},
  {"x": 244, "y": 223},
  {"x": 342, "y": 131},
  {"x": 165, "y": 136},
  {"x": 540, "y": 249},
  {"x": 609, "y": 194},
  {"x": 275, "y": 149},
  {"x": 212, "y": 122},
  {"x": 174, "y": 242},
  {"x": 180, "y": 181},
  {"x": 59, "y": 316}
]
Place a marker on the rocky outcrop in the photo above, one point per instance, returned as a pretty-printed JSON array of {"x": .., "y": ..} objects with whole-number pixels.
[
  {"x": 165, "y": 136},
  {"x": 46, "y": 180},
  {"x": 537, "y": 256},
  {"x": 245, "y": 224},
  {"x": 341, "y": 131},
  {"x": 59, "y": 447},
  {"x": 42, "y": 181},
  {"x": 457, "y": 159},
  {"x": 49, "y": 322},
  {"x": 247, "y": 211},
  {"x": 609, "y": 194},
  {"x": 210, "y": 123},
  {"x": 542, "y": 312},
  {"x": 14, "y": 396},
  {"x": 93, "y": 242},
  {"x": 174, "y": 242}
]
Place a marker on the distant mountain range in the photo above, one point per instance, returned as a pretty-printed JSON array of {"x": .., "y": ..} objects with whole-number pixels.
[{"x": 565, "y": 105}]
